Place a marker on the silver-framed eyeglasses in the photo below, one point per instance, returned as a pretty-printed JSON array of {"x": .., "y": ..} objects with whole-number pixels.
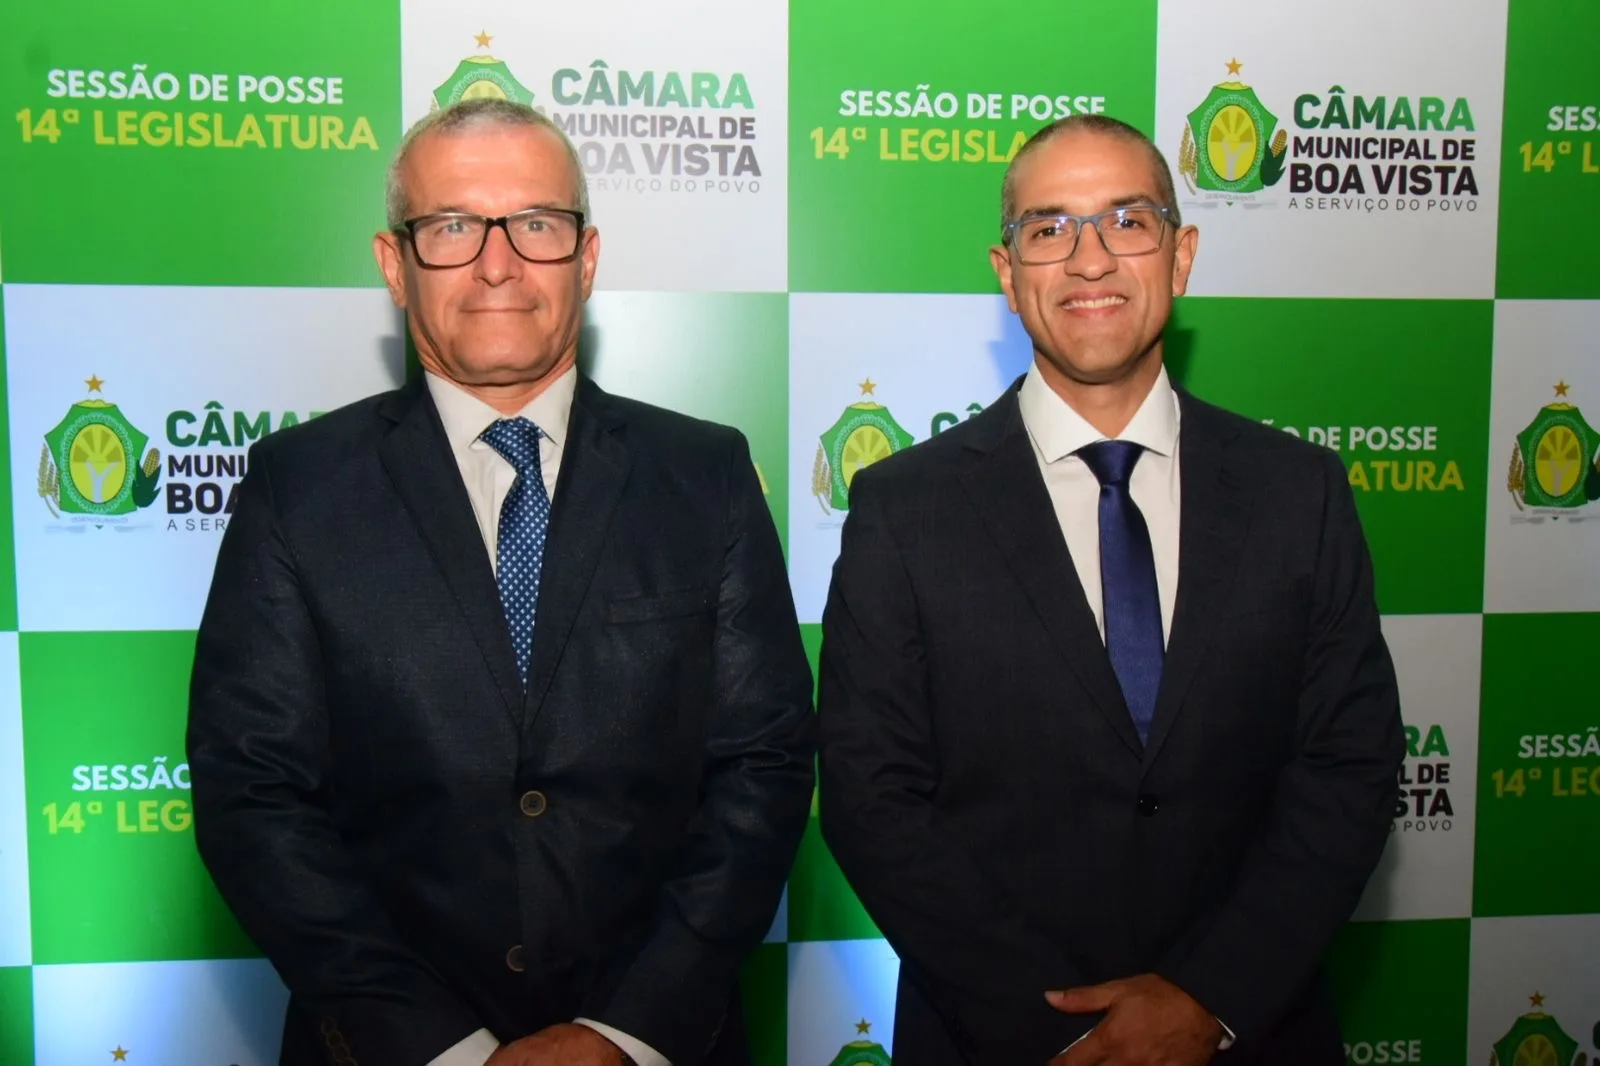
[
  {"x": 1136, "y": 229},
  {"x": 456, "y": 238}
]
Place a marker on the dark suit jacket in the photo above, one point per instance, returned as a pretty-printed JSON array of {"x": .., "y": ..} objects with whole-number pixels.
[
  {"x": 984, "y": 790},
  {"x": 421, "y": 850}
]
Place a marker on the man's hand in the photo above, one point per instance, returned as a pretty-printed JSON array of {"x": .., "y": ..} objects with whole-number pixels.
[
  {"x": 1149, "y": 1022},
  {"x": 559, "y": 1045}
]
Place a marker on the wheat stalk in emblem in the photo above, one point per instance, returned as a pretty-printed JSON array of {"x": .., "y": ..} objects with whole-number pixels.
[
  {"x": 1187, "y": 159},
  {"x": 1514, "y": 477},
  {"x": 49, "y": 481}
]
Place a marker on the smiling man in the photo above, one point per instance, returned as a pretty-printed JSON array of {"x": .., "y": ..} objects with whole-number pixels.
[
  {"x": 500, "y": 727},
  {"x": 1110, "y": 733}
]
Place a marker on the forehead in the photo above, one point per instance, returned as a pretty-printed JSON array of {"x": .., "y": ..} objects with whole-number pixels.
[
  {"x": 1084, "y": 170},
  {"x": 499, "y": 163}
]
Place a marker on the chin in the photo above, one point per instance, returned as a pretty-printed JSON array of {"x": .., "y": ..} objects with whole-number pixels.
[
  {"x": 1098, "y": 370},
  {"x": 496, "y": 371}
]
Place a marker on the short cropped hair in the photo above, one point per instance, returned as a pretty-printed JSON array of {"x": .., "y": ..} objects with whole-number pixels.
[
  {"x": 1094, "y": 124},
  {"x": 468, "y": 115}
]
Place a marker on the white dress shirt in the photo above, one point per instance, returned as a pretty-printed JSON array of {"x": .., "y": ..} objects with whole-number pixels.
[
  {"x": 1057, "y": 431},
  {"x": 488, "y": 478}
]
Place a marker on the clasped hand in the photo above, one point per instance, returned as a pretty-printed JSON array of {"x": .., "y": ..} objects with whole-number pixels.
[
  {"x": 560, "y": 1045},
  {"x": 1149, "y": 1021}
]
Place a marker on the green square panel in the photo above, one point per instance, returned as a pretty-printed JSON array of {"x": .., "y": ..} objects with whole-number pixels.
[
  {"x": 762, "y": 990},
  {"x": 113, "y": 871},
  {"x": 717, "y": 356},
  {"x": 1399, "y": 388},
  {"x": 16, "y": 1015},
  {"x": 903, "y": 116},
  {"x": 1550, "y": 154},
  {"x": 1538, "y": 770},
  {"x": 811, "y": 637},
  {"x": 1401, "y": 989},
  {"x": 822, "y": 905},
  {"x": 123, "y": 163}
]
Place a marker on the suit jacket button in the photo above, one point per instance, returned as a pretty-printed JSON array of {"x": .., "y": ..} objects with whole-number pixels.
[
  {"x": 1148, "y": 805},
  {"x": 514, "y": 958},
  {"x": 533, "y": 804}
]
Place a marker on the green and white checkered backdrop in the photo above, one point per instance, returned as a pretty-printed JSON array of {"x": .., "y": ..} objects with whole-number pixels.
[{"x": 1397, "y": 207}]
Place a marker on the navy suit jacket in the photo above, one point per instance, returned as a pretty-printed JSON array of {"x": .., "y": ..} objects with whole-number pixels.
[
  {"x": 984, "y": 789},
  {"x": 419, "y": 846}
]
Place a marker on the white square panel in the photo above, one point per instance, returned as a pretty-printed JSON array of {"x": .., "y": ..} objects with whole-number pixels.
[
  {"x": 174, "y": 379},
  {"x": 1426, "y": 869},
  {"x": 156, "y": 1013},
  {"x": 1535, "y": 982},
  {"x": 1542, "y": 544},
  {"x": 871, "y": 372},
  {"x": 841, "y": 993},
  {"x": 679, "y": 114},
  {"x": 1361, "y": 205}
]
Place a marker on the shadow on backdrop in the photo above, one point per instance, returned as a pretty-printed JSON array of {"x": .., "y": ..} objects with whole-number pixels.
[
  {"x": 1178, "y": 349},
  {"x": 1011, "y": 351}
]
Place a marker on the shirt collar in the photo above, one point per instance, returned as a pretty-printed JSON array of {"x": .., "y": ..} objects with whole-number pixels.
[
  {"x": 465, "y": 417},
  {"x": 1058, "y": 430}
]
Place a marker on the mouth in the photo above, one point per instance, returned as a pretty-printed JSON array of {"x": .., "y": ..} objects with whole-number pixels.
[{"x": 1093, "y": 305}]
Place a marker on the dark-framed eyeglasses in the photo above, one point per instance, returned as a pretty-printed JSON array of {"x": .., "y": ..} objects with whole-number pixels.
[
  {"x": 456, "y": 238},
  {"x": 1136, "y": 229}
]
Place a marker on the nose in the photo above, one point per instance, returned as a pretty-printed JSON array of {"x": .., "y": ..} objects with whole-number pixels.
[
  {"x": 1090, "y": 259},
  {"x": 498, "y": 262}
]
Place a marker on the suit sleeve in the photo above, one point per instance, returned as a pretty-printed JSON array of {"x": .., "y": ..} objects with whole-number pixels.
[
  {"x": 971, "y": 951},
  {"x": 1330, "y": 818},
  {"x": 260, "y": 770},
  {"x": 757, "y": 778}
]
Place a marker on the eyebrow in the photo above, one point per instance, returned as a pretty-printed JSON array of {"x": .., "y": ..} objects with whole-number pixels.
[
  {"x": 542, "y": 205},
  {"x": 1121, "y": 201}
]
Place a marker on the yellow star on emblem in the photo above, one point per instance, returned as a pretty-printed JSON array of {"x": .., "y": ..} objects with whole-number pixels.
[
  {"x": 1233, "y": 66},
  {"x": 120, "y": 1055},
  {"x": 1537, "y": 999},
  {"x": 94, "y": 383},
  {"x": 868, "y": 387},
  {"x": 1561, "y": 388},
  {"x": 863, "y": 1026},
  {"x": 483, "y": 38}
]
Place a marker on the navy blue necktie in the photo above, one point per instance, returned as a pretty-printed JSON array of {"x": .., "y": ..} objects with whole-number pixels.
[
  {"x": 1132, "y": 604},
  {"x": 524, "y": 521}
]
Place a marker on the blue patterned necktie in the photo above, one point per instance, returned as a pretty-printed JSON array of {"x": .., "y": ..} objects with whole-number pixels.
[
  {"x": 524, "y": 521},
  {"x": 1127, "y": 581}
]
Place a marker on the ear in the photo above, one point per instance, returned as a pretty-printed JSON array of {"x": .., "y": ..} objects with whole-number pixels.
[
  {"x": 589, "y": 257},
  {"x": 1188, "y": 242},
  {"x": 392, "y": 262},
  {"x": 1000, "y": 259}
]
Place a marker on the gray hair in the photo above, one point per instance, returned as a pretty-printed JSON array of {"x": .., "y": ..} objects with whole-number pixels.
[
  {"x": 471, "y": 114},
  {"x": 1095, "y": 124}
]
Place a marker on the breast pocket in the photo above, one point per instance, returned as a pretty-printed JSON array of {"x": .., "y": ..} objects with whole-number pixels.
[{"x": 660, "y": 607}]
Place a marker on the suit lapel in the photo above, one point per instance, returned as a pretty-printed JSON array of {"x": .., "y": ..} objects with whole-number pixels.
[
  {"x": 416, "y": 455},
  {"x": 1010, "y": 496},
  {"x": 594, "y": 470},
  {"x": 1214, "y": 519}
]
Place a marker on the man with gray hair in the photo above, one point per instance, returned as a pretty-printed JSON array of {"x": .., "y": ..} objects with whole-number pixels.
[{"x": 500, "y": 724}]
